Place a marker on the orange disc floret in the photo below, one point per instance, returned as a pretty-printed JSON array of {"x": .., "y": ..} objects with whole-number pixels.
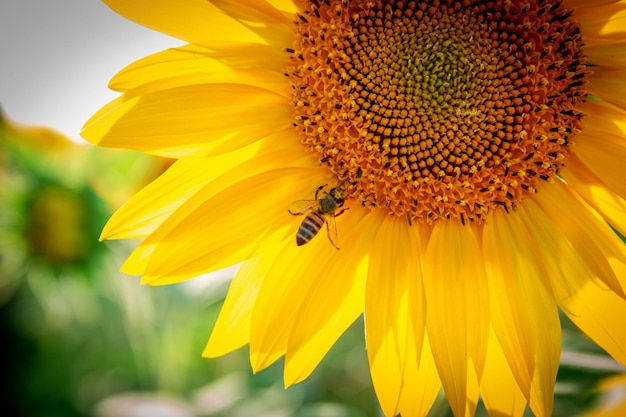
[{"x": 438, "y": 109}]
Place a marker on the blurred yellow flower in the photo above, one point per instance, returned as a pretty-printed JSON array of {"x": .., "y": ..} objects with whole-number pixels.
[
  {"x": 442, "y": 131},
  {"x": 44, "y": 204},
  {"x": 53, "y": 200}
]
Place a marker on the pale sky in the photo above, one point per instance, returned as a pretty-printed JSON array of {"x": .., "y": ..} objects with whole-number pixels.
[{"x": 57, "y": 56}]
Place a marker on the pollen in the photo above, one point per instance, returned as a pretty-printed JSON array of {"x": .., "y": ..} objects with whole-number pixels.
[{"x": 438, "y": 109}]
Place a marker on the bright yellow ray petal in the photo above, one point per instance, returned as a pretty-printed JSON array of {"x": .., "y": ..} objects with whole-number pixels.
[
  {"x": 232, "y": 328},
  {"x": 260, "y": 17},
  {"x": 611, "y": 206},
  {"x": 420, "y": 380},
  {"x": 214, "y": 259},
  {"x": 192, "y": 238},
  {"x": 280, "y": 294},
  {"x": 588, "y": 234},
  {"x": 595, "y": 309},
  {"x": 279, "y": 299},
  {"x": 190, "y": 20},
  {"x": 583, "y": 4},
  {"x": 149, "y": 208},
  {"x": 598, "y": 311},
  {"x": 605, "y": 159},
  {"x": 257, "y": 11},
  {"x": 458, "y": 315},
  {"x": 606, "y": 53},
  {"x": 607, "y": 84},
  {"x": 392, "y": 302},
  {"x": 601, "y": 314},
  {"x": 224, "y": 62},
  {"x": 286, "y": 5},
  {"x": 334, "y": 300},
  {"x": 185, "y": 120},
  {"x": 142, "y": 214},
  {"x": 502, "y": 259},
  {"x": 501, "y": 395},
  {"x": 269, "y": 156},
  {"x": 603, "y": 116},
  {"x": 520, "y": 300},
  {"x": 108, "y": 114},
  {"x": 386, "y": 315},
  {"x": 606, "y": 22},
  {"x": 564, "y": 269},
  {"x": 473, "y": 388}
]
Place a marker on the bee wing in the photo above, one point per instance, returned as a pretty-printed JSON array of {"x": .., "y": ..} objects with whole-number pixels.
[
  {"x": 331, "y": 227},
  {"x": 300, "y": 207}
]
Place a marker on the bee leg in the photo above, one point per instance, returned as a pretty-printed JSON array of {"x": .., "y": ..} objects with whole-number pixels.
[
  {"x": 330, "y": 237},
  {"x": 319, "y": 189},
  {"x": 341, "y": 212}
]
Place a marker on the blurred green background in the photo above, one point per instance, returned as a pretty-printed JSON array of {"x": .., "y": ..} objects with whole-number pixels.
[{"x": 81, "y": 339}]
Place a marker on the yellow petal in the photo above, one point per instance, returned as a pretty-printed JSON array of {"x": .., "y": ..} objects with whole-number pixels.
[
  {"x": 286, "y": 5},
  {"x": 520, "y": 300},
  {"x": 586, "y": 3},
  {"x": 589, "y": 235},
  {"x": 149, "y": 208},
  {"x": 287, "y": 281},
  {"x": 394, "y": 300},
  {"x": 606, "y": 22},
  {"x": 564, "y": 270},
  {"x": 601, "y": 314},
  {"x": 473, "y": 387},
  {"x": 218, "y": 63},
  {"x": 611, "y": 206},
  {"x": 420, "y": 379},
  {"x": 232, "y": 328},
  {"x": 190, "y": 119},
  {"x": 458, "y": 316},
  {"x": 598, "y": 112},
  {"x": 190, "y": 20},
  {"x": 260, "y": 17},
  {"x": 607, "y": 53},
  {"x": 606, "y": 84},
  {"x": 605, "y": 159},
  {"x": 257, "y": 11},
  {"x": 270, "y": 154},
  {"x": 594, "y": 308},
  {"x": 284, "y": 289},
  {"x": 501, "y": 395},
  {"x": 210, "y": 233},
  {"x": 335, "y": 298}
]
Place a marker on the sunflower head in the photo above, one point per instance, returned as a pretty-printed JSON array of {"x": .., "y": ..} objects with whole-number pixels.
[
  {"x": 446, "y": 127},
  {"x": 447, "y": 110}
]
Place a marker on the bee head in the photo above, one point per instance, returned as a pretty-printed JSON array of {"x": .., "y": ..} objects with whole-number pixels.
[{"x": 337, "y": 195}]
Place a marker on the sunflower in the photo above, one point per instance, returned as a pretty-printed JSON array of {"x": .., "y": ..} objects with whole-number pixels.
[{"x": 465, "y": 157}]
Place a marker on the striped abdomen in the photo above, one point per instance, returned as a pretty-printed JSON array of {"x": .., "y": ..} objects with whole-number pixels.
[{"x": 310, "y": 226}]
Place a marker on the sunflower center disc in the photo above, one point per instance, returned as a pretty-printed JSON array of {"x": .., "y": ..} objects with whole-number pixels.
[{"x": 438, "y": 109}]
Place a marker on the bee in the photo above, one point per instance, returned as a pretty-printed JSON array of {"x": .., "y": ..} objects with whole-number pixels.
[{"x": 322, "y": 210}]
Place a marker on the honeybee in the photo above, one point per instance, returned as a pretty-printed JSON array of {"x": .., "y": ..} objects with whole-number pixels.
[{"x": 322, "y": 210}]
